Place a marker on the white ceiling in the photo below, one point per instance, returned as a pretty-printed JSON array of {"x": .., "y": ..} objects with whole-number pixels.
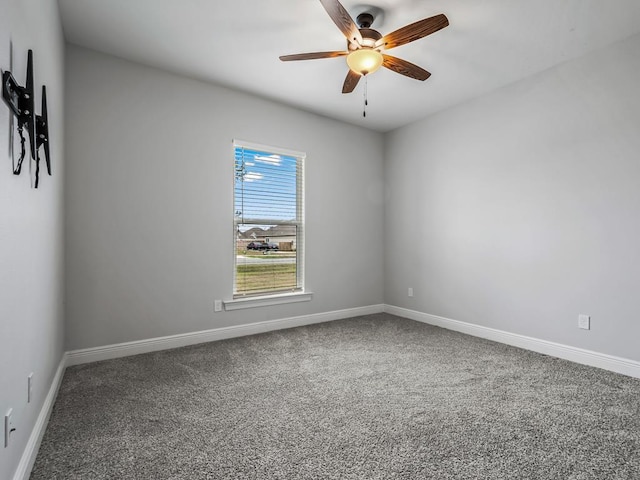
[{"x": 236, "y": 43}]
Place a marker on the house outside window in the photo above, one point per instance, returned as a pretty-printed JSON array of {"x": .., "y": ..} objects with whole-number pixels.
[{"x": 268, "y": 220}]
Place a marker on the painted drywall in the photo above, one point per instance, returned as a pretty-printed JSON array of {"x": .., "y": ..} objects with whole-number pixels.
[
  {"x": 150, "y": 212},
  {"x": 31, "y": 230},
  {"x": 521, "y": 209}
]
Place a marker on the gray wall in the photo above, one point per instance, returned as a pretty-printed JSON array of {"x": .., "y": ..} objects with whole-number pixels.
[
  {"x": 521, "y": 209},
  {"x": 149, "y": 202},
  {"x": 31, "y": 233}
]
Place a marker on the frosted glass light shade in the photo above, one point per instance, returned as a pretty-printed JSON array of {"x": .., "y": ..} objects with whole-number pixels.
[{"x": 364, "y": 60}]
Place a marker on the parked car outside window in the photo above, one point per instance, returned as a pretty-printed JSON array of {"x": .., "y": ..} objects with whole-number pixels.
[{"x": 262, "y": 246}]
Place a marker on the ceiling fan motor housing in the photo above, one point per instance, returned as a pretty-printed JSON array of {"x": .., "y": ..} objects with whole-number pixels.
[{"x": 369, "y": 38}]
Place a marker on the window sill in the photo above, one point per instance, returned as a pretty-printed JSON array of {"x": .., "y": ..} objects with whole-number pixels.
[{"x": 267, "y": 300}]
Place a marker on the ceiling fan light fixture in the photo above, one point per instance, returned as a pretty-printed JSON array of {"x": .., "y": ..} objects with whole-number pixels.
[{"x": 364, "y": 61}]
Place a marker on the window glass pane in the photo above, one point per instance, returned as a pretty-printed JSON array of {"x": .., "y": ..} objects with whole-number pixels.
[
  {"x": 266, "y": 185},
  {"x": 266, "y": 258}
]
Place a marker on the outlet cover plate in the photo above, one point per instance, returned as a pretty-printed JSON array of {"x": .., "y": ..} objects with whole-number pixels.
[
  {"x": 8, "y": 427},
  {"x": 30, "y": 387},
  {"x": 584, "y": 322}
]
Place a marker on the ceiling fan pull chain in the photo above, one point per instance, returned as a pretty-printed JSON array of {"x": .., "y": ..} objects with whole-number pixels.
[{"x": 366, "y": 102}]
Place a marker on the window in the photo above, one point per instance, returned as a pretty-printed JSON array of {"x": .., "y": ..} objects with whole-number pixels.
[{"x": 268, "y": 220}]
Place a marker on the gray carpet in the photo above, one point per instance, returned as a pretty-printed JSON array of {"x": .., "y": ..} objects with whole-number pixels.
[{"x": 375, "y": 397}]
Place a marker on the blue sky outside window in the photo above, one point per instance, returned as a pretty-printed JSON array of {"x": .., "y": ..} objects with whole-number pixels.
[{"x": 265, "y": 186}]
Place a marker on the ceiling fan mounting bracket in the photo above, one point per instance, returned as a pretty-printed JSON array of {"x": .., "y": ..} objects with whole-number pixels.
[
  {"x": 376, "y": 15},
  {"x": 365, "y": 20}
]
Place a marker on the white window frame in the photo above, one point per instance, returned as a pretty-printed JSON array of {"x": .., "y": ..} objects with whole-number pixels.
[{"x": 276, "y": 297}]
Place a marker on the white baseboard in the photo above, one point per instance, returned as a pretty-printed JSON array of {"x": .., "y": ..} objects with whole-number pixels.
[
  {"x": 33, "y": 444},
  {"x": 87, "y": 355},
  {"x": 566, "y": 352}
]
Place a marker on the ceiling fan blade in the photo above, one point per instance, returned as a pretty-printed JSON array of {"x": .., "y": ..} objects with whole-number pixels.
[
  {"x": 414, "y": 31},
  {"x": 405, "y": 68},
  {"x": 343, "y": 20},
  {"x": 351, "y": 81},
  {"x": 312, "y": 56}
]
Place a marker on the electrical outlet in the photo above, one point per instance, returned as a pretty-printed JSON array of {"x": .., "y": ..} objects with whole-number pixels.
[
  {"x": 8, "y": 427},
  {"x": 217, "y": 306},
  {"x": 410, "y": 293},
  {"x": 30, "y": 387},
  {"x": 584, "y": 322}
]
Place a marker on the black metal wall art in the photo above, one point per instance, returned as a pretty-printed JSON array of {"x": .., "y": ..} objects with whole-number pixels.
[
  {"x": 42, "y": 136},
  {"x": 21, "y": 102}
]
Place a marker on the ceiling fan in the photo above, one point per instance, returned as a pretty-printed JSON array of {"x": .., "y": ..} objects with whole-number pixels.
[{"x": 365, "y": 45}]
